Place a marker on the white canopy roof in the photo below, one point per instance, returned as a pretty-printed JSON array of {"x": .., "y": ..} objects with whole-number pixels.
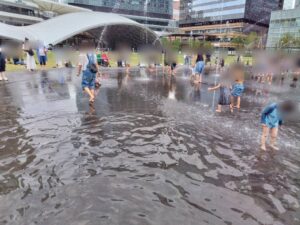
[{"x": 60, "y": 28}]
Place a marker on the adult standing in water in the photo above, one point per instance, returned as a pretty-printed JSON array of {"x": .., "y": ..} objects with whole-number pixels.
[
  {"x": 89, "y": 68},
  {"x": 30, "y": 60},
  {"x": 199, "y": 68},
  {"x": 2, "y": 66},
  {"x": 42, "y": 54}
]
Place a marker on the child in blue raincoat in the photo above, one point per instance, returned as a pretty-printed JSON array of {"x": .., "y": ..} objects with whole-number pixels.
[{"x": 271, "y": 119}]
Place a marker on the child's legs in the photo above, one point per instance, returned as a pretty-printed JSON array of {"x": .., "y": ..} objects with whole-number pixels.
[
  {"x": 231, "y": 107},
  {"x": 219, "y": 109},
  {"x": 1, "y": 75},
  {"x": 274, "y": 134},
  {"x": 232, "y": 100},
  {"x": 264, "y": 136},
  {"x": 238, "y": 104},
  {"x": 89, "y": 92}
]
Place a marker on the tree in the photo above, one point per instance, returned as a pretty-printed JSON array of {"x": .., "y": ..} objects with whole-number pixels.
[
  {"x": 239, "y": 41},
  {"x": 251, "y": 40},
  {"x": 289, "y": 41}
]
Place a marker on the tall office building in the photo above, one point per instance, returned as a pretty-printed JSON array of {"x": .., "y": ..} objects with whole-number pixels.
[
  {"x": 226, "y": 17},
  {"x": 27, "y": 12},
  {"x": 283, "y": 22},
  {"x": 155, "y": 14},
  {"x": 291, "y": 4},
  {"x": 176, "y": 7},
  {"x": 19, "y": 13}
]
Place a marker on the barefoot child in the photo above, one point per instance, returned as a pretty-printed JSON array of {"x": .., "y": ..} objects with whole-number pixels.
[
  {"x": 89, "y": 68},
  {"x": 238, "y": 86},
  {"x": 199, "y": 68},
  {"x": 271, "y": 119},
  {"x": 224, "y": 98}
]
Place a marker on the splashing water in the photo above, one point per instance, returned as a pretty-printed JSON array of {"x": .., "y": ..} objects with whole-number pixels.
[{"x": 104, "y": 30}]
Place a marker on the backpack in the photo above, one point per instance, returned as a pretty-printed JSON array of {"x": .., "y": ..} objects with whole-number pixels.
[{"x": 91, "y": 65}]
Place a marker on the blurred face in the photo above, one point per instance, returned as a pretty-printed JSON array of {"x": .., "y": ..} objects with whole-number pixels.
[{"x": 86, "y": 47}]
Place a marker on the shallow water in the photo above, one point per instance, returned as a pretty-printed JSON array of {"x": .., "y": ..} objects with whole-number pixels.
[{"x": 150, "y": 151}]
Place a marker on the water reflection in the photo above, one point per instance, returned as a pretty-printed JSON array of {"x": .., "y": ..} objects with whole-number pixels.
[{"x": 149, "y": 151}]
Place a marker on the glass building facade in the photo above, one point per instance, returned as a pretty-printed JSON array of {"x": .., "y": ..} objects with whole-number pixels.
[
  {"x": 291, "y": 4},
  {"x": 193, "y": 12},
  {"x": 149, "y": 8},
  {"x": 155, "y": 14},
  {"x": 283, "y": 22}
]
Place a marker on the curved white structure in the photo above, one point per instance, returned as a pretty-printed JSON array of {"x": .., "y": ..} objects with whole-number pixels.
[{"x": 58, "y": 29}]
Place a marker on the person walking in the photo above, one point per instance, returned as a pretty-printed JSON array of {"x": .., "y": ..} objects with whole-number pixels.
[
  {"x": 42, "y": 53},
  {"x": 2, "y": 66},
  {"x": 89, "y": 68},
  {"x": 30, "y": 60}
]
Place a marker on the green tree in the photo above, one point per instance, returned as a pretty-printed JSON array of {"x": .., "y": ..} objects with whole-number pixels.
[
  {"x": 239, "y": 41},
  {"x": 176, "y": 45},
  {"x": 289, "y": 41},
  {"x": 251, "y": 40}
]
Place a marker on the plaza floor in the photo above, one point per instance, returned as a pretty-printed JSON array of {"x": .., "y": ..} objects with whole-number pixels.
[{"x": 151, "y": 151}]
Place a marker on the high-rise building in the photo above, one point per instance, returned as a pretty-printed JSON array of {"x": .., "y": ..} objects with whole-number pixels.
[
  {"x": 19, "y": 13},
  {"x": 155, "y": 14},
  {"x": 226, "y": 17},
  {"x": 176, "y": 7},
  {"x": 283, "y": 22},
  {"x": 26, "y": 12},
  {"x": 291, "y": 4}
]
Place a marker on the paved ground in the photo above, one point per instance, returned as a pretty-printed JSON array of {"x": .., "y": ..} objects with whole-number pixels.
[{"x": 150, "y": 151}]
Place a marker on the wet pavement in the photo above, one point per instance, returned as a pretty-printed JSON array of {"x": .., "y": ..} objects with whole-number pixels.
[{"x": 151, "y": 151}]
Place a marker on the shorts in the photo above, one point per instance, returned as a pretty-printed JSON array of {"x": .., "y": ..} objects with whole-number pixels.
[
  {"x": 237, "y": 90},
  {"x": 42, "y": 60},
  {"x": 88, "y": 80},
  {"x": 270, "y": 125}
]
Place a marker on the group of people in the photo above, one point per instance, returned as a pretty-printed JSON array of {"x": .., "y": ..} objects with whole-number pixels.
[
  {"x": 41, "y": 52},
  {"x": 231, "y": 88}
]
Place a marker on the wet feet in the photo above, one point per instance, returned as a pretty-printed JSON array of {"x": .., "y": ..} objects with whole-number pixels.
[
  {"x": 274, "y": 147},
  {"x": 263, "y": 148},
  {"x": 92, "y": 100}
]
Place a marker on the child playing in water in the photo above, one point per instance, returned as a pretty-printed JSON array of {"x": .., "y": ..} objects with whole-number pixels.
[
  {"x": 224, "y": 98},
  {"x": 199, "y": 67},
  {"x": 238, "y": 86},
  {"x": 271, "y": 119}
]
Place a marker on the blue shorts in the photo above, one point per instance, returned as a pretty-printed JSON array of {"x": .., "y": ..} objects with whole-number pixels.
[
  {"x": 42, "y": 60},
  {"x": 88, "y": 79},
  {"x": 270, "y": 125},
  {"x": 237, "y": 90}
]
